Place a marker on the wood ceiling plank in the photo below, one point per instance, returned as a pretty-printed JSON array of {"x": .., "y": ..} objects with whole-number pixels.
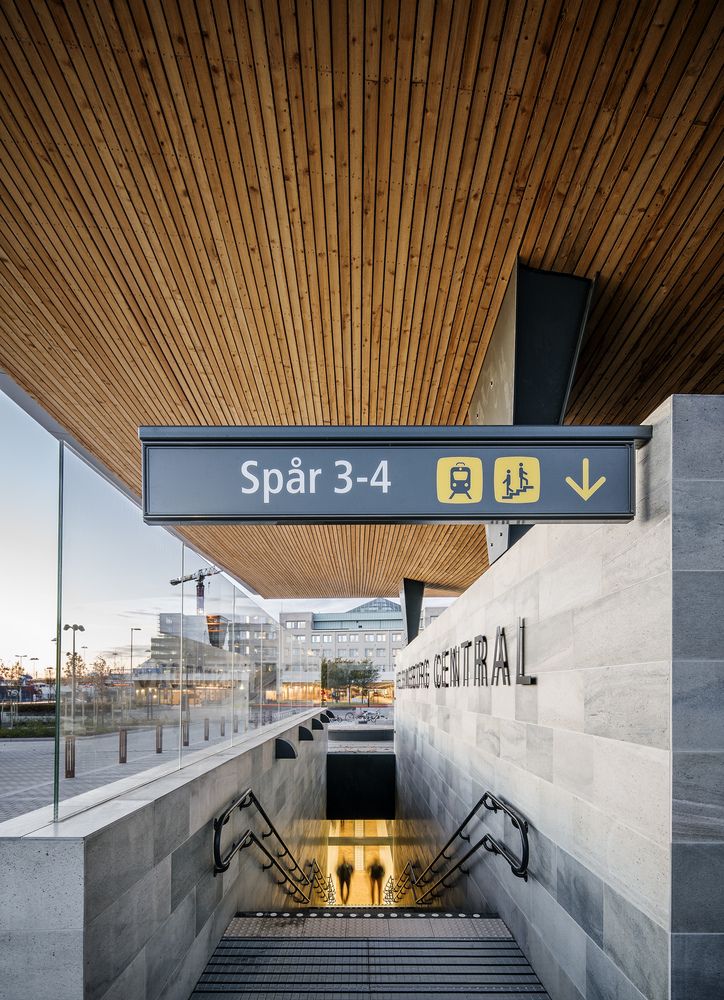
[
  {"x": 178, "y": 46},
  {"x": 450, "y": 252},
  {"x": 323, "y": 47},
  {"x": 308, "y": 58},
  {"x": 645, "y": 299},
  {"x": 434, "y": 225},
  {"x": 607, "y": 44},
  {"x": 340, "y": 35},
  {"x": 536, "y": 164},
  {"x": 187, "y": 272},
  {"x": 212, "y": 71},
  {"x": 307, "y": 258},
  {"x": 647, "y": 278},
  {"x": 517, "y": 43},
  {"x": 303, "y": 212},
  {"x": 428, "y": 109},
  {"x": 170, "y": 78},
  {"x": 410, "y": 159},
  {"x": 355, "y": 62},
  {"x": 397, "y": 132},
  {"x": 81, "y": 198},
  {"x": 685, "y": 287},
  {"x": 659, "y": 44},
  {"x": 383, "y": 149},
  {"x": 656, "y": 147}
]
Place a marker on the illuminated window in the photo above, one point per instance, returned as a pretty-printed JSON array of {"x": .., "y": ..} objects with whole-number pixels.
[{"x": 341, "y": 638}]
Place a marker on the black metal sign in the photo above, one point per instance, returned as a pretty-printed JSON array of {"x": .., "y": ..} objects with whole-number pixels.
[{"x": 388, "y": 474}]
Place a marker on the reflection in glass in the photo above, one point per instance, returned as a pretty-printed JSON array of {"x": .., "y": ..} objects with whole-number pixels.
[
  {"x": 144, "y": 655},
  {"x": 164, "y": 655}
]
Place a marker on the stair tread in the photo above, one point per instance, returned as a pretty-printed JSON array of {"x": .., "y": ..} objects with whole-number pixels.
[{"x": 378, "y": 959}]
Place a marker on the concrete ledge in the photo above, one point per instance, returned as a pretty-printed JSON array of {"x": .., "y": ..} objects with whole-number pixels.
[
  {"x": 192, "y": 765},
  {"x": 119, "y": 898}
]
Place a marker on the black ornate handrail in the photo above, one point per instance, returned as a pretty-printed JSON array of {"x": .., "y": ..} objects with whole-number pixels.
[
  {"x": 246, "y": 799},
  {"x": 292, "y": 886},
  {"x": 518, "y": 866},
  {"x": 325, "y": 888},
  {"x": 302, "y": 885}
]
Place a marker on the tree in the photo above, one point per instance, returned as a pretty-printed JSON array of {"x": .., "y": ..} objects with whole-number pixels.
[
  {"x": 74, "y": 667},
  {"x": 101, "y": 672},
  {"x": 336, "y": 675},
  {"x": 14, "y": 676},
  {"x": 99, "y": 677},
  {"x": 364, "y": 676}
]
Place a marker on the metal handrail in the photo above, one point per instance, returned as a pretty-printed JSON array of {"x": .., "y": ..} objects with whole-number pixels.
[
  {"x": 245, "y": 800},
  {"x": 518, "y": 866},
  {"x": 325, "y": 888},
  {"x": 248, "y": 838},
  {"x": 458, "y": 833},
  {"x": 302, "y": 885}
]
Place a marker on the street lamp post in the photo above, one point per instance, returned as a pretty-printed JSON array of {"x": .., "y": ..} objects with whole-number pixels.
[
  {"x": 75, "y": 628},
  {"x": 34, "y": 659},
  {"x": 82, "y": 704},
  {"x": 133, "y": 629}
]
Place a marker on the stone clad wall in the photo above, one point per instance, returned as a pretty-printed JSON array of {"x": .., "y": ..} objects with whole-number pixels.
[
  {"x": 120, "y": 901},
  {"x": 585, "y": 754},
  {"x": 697, "y": 916}
]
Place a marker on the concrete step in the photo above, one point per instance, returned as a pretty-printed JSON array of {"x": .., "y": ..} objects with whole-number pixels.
[{"x": 376, "y": 954}]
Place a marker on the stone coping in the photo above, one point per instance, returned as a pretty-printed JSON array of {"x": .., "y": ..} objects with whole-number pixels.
[{"x": 119, "y": 798}]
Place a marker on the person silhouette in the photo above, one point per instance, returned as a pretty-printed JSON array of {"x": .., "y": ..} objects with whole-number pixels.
[
  {"x": 523, "y": 477},
  {"x": 344, "y": 874},
  {"x": 377, "y": 873},
  {"x": 506, "y": 483}
]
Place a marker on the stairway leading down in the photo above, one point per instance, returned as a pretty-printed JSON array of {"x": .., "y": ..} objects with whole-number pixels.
[{"x": 378, "y": 954}]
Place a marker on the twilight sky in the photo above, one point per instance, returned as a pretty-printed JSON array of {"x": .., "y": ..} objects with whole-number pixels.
[{"x": 116, "y": 569}]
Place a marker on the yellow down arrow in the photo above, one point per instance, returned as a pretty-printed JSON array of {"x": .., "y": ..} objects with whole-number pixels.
[{"x": 586, "y": 491}]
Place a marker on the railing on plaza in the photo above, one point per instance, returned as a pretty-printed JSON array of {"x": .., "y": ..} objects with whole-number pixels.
[
  {"x": 429, "y": 892},
  {"x": 297, "y": 883}
]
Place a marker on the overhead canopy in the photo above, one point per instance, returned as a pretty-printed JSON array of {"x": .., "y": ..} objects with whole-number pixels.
[{"x": 307, "y": 212}]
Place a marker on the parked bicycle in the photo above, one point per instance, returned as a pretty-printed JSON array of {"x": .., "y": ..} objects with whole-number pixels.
[{"x": 364, "y": 715}]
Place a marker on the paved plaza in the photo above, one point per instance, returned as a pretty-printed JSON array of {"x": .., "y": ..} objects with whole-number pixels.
[{"x": 26, "y": 765}]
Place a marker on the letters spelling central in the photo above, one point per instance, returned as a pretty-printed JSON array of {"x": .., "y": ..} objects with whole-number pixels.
[{"x": 455, "y": 667}]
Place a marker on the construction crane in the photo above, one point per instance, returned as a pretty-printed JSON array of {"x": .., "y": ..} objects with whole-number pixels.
[{"x": 199, "y": 576}]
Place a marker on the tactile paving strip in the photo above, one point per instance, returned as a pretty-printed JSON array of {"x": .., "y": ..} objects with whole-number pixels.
[{"x": 366, "y": 923}]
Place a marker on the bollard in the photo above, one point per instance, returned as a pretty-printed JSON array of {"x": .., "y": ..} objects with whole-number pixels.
[
  {"x": 185, "y": 732},
  {"x": 159, "y": 738},
  {"x": 206, "y": 729},
  {"x": 70, "y": 756},
  {"x": 235, "y": 724},
  {"x": 122, "y": 746},
  {"x": 222, "y": 727}
]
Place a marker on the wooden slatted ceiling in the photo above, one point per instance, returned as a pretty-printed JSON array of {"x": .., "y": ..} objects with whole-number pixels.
[{"x": 306, "y": 213}]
